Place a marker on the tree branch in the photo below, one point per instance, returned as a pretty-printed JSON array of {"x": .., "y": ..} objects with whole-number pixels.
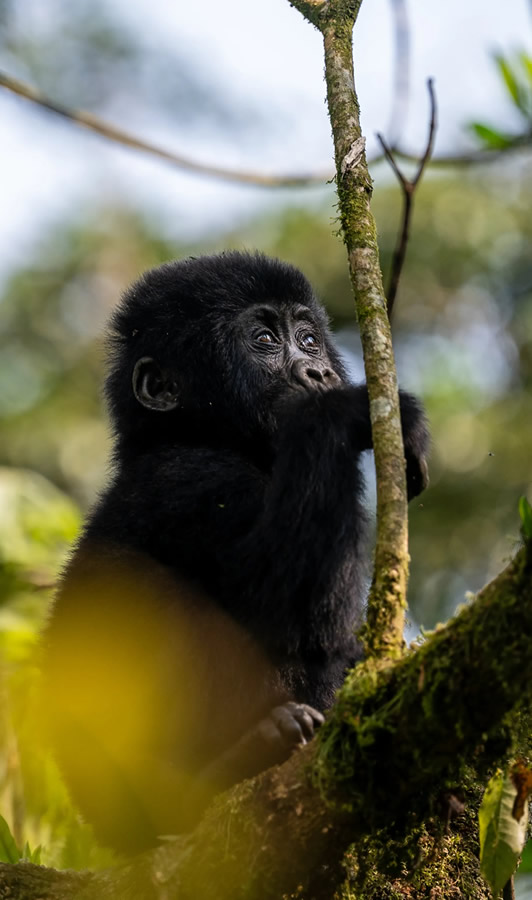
[
  {"x": 107, "y": 130},
  {"x": 409, "y": 188}
]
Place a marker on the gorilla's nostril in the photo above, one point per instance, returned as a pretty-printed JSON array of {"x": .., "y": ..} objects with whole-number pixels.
[{"x": 315, "y": 374}]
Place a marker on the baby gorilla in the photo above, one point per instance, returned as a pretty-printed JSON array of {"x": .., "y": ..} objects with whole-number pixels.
[{"x": 210, "y": 609}]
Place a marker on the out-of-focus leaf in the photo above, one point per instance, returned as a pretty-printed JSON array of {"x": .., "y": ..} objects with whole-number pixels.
[
  {"x": 33, "y": 856},
  {"x": 511, "y": 82},
  {"x": 9, "y": 852},
  {"x": 526, "y": 62},
  {"x": 502, "y": 837},
  {"x": 491, "y": 138},
  {"x": 525, "y": 512}
]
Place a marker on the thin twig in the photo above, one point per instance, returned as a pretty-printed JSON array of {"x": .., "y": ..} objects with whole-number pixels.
[
  {"x": 461, "y": 160},
  {"x": 401, "y": 78},
  {"x": 408, "y": 187},
  {"x": 107, "y": 130}
]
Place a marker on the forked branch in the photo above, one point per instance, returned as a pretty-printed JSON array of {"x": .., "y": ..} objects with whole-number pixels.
[{"x": 409, "y": 188}]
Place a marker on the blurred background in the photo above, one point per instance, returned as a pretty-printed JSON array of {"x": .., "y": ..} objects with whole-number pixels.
[{"x": 239, "y": 85}]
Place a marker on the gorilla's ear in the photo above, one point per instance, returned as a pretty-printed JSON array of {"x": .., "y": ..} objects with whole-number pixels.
[{"x": 153, "y": 388}]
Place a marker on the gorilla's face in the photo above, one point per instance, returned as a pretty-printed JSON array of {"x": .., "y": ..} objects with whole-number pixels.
[
  {"x": 287, "y": 343},
  {"x": 218, "y": 343}
]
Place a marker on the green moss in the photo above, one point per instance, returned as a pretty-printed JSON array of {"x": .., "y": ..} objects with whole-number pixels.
[
  {"x": 432, "y": 861},
  {"x": 452, "y": 701}
]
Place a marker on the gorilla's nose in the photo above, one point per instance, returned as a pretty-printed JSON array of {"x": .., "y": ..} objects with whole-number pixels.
[{"x": 312, "y": 376}]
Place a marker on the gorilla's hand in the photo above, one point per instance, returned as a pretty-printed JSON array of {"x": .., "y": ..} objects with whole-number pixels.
[
  {"x": 417, "y": 442},
  {"x": 269, "y": 743},
  {"x": 417, "y": 474},
  {"x": 288, "y": 726}
]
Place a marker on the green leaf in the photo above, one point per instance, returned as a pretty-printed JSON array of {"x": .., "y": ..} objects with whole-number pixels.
[
  {"x": 525, "y": 511},
  {"x": 491, "y": 138},
  {"x": 33, "y": 856},
  {"x": 526, "y": 62},
  {"x": 502, "y": 838},
  {"x": 513, "y": 87},
  {"x": 9, "y": 852}
]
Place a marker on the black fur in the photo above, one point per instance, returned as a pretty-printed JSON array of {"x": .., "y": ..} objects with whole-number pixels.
[{"x": 224, "y": 565}]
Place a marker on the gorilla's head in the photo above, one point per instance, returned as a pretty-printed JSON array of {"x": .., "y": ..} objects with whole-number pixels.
[{"x": 216, "y": 343}]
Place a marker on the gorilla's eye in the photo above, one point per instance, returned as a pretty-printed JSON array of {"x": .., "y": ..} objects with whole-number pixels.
[
  {"x": 265, "y": 337},
  {"x": 308, "y": 341}
]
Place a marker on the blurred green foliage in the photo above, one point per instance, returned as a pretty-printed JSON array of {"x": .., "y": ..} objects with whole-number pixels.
[
  {"x": 37, "y": 525},
  {"x": 53, "y": 312},
  {"x": 515, "y": 72}
]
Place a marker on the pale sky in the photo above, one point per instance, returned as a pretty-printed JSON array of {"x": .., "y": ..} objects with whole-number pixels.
[{"x": 274, "y": 59}]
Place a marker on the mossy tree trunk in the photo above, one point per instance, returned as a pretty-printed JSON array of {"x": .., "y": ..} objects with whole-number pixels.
[{"x": 398, "y": 740}]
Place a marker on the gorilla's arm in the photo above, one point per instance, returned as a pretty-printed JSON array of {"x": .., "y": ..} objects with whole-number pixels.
[{"x": 313, "y": 506}]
